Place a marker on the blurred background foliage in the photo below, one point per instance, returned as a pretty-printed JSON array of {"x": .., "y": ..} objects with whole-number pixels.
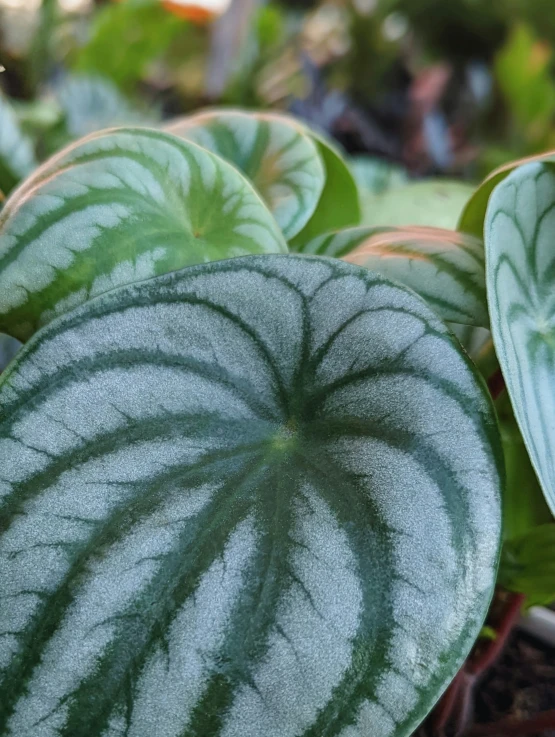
[{"x": 413, "y": 88}]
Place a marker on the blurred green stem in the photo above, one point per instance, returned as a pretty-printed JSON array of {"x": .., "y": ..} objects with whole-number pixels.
[{"x": 40, "y": 60}]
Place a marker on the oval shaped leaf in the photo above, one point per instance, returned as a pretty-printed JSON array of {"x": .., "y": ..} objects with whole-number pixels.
[
  {"x": 282, "y": 517},
  {"x": 446, "y": 268},
  {"x": 17, "y": 158},
  {"x": 281, "y": 161},
  {"x": 119, "y": 207},
  {"x": 474, "y": 213},
  {"x": 520, "y": 277}
]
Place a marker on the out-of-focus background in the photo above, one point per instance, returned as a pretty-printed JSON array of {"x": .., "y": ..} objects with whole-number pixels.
[{"x": 417, "y": 88}]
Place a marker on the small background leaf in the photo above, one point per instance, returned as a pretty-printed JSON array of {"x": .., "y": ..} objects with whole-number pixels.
[
  {"x": 90, "y": 104},
  {"x": 281, "y": 160},
  {"x": 125, "y": 38},
  {"x": 434, "y": 203},
  {"x": 17, "y": 158}
]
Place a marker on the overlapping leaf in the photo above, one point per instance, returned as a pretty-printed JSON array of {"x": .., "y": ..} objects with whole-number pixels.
[
  {"x": 474, "y": 213},
  {"x": 445, "y": 267},
  {"x": 300, "y": 173},
  {"x": 339, "y": 205},
  {"x": 282, "y": 517},
  {"x": 520, "y": 276},
  {"x": 281, "y": 161},
  {"x": 118, "y": 207}
]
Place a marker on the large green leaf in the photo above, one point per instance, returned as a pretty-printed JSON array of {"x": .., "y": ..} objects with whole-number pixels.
[
  {"x": 253, "y": 497},
  {"x": 474, "y": 213},
  {"x": 445, "y": 267},
  {"x": 115, "y": 208},
  {"x": 520, "y": 277},
  {"x": 17, "y": 158},
  {"x": 282, "y": 162}
]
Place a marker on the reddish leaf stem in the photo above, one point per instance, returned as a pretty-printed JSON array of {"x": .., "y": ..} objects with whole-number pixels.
[
  {"x": 456, "y": 705},
  {"x": 515, "y": 728},
  {"x": 496, "y": 384},
  {"x": 489, "y": 654}
]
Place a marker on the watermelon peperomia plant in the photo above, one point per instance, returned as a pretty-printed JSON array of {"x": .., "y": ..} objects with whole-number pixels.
[{"x": 248, "y": 492}]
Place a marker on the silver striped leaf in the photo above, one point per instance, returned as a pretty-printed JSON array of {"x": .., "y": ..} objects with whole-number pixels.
[
  {"x": 520, "y": 277},
  {"x": 281, "y": 161},
  {"x": 253, "y": 497},
  {"x": 115, "y": 208},
  {"x": 446, "y": 268},
  {"x": 17, "y": 158}
]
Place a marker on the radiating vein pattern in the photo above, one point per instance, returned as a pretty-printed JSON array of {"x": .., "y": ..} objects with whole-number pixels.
[
  {"x": 520, "y": 272},
  {"x": 116, "y": 208},
  {"x": 280, "y": 160},
  {"x": 253, "y": 497},
  {"x": 446, "y": 268}
]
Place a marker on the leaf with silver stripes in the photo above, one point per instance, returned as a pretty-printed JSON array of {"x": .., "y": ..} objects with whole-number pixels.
[
  {"x": 115, "y": 208},
  {"x": 282, "y": 162},
  {"x": 446, "y": 268},
  {"x": 339, "y": 206},
  {"x": 253, "y": 497},
  {"x": 520, "y": 276}
]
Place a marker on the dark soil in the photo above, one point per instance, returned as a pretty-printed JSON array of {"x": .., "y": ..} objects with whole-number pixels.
[{"x": 520, "y": 685}]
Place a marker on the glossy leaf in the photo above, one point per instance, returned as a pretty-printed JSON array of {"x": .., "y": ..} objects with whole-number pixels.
[
  {"x": 474, "y": 213},
  {"x": 115, "y": 208},
  {"x": 445, "y": 267},
  {"x": 282, "y": 517},
  {"x": 431, "y": 203},
  {"x": 282, "y": 162},
  {"x": 17, "y": 158},
  {"x": 520, "y": 277}
]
